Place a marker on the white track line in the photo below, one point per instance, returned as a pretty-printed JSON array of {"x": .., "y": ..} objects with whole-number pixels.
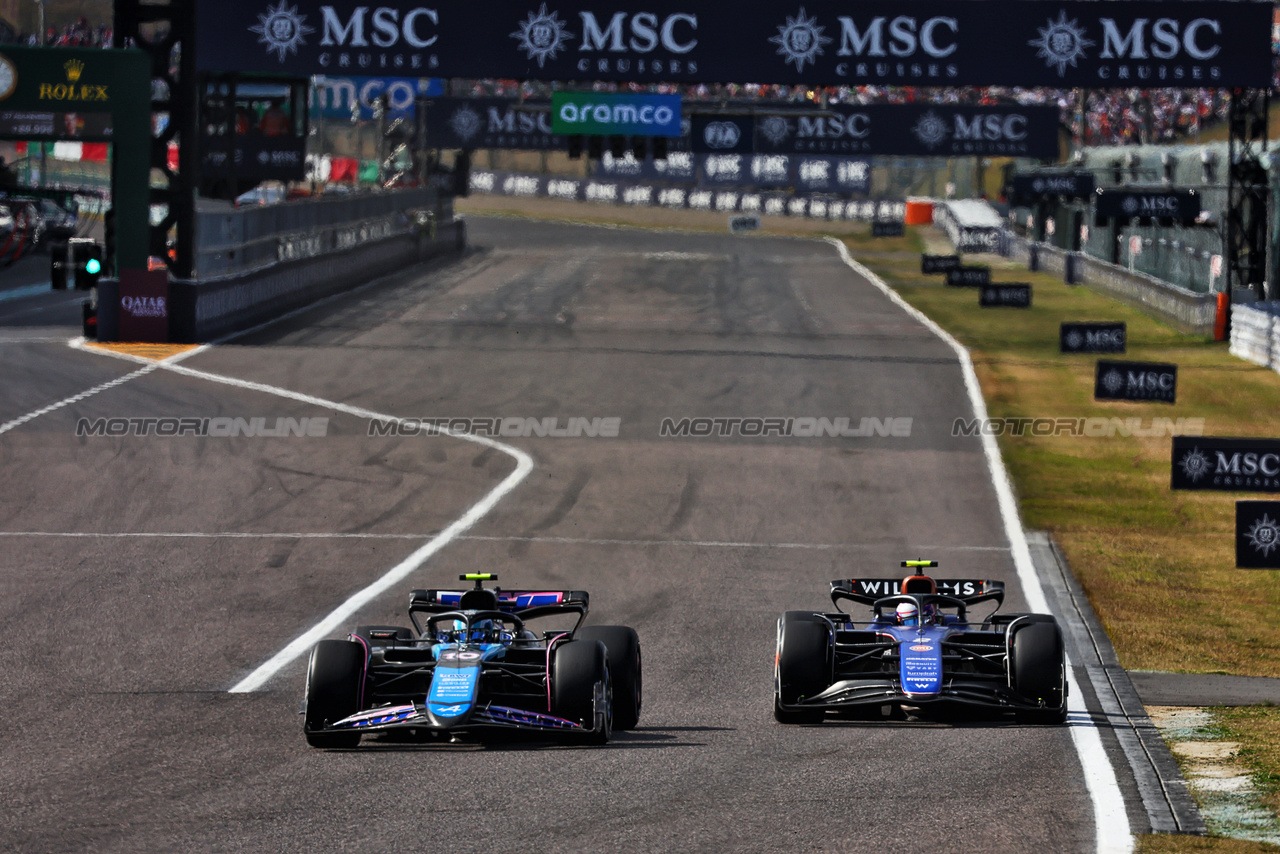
[
  {"x": 75, "y": 398},
  {"x": 1111, "y": 822},
  {"x": 339, "y": 616}
]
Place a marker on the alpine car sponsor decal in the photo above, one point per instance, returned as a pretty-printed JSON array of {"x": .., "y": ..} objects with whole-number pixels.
[
  {"x": 530, "y": 600},
  {"x": 454, "y": 684},
  {"x": 506, "y": 601},
  {"x": 503, "y": 714},
  {"x": 379, "y": 717}
]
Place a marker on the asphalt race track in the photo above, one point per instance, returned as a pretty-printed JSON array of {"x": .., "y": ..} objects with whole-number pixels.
[{"x": 143, "y": 577}]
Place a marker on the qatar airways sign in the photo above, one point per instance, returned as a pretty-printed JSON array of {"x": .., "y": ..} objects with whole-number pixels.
[{"x": 1065, "y": 44}]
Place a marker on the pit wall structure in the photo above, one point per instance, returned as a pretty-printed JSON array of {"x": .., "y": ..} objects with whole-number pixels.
[{"x": 255, "y": 264}]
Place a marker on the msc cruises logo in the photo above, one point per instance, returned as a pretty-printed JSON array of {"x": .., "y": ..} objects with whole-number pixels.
[
  {"x": 1113, "y": 381},
  {"x": 1061, "y": 43},
  {"x": 465, "y": 122},
  {"x": 776, "y": 129},
  {"x": 282, "y": 29},
  {"x": 800, "y": 40},
  {"x": 930, "y": 129},
  {"x": 542, "y": 35},
  {"x": 1264, "y": 535},
  {"x": 1195, "y": 464}
]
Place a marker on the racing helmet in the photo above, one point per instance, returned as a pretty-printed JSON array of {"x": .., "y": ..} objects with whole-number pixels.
[
  {"x": 482, "y": 631},
  {"x": 928, "y": 614},
  {"x": 908, "y": 614}
]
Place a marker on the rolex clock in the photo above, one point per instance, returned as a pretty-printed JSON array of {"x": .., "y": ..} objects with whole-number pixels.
[{"x": 8, "y": 77}]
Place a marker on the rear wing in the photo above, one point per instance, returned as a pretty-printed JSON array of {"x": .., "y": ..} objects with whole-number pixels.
[
  {"x": 868, "y": 590},
  {"x": 521, "y": 603}
]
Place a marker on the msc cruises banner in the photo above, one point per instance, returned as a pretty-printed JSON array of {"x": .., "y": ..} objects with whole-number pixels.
[
  {"x": 917, "y": 130},
  {"x": 1227, "y": 464},
  {"x": 1074, "y": 43},
  {"x": 487, "y": 123}
]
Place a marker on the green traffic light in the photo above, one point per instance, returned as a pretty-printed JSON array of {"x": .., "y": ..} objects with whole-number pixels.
[{"x": 93, "y": 266}]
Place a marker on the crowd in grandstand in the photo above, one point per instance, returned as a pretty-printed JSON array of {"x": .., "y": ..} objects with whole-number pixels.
[{"x": 79, "y": 34}]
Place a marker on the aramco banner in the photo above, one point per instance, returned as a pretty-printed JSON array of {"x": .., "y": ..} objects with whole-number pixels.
[
  {"x": 615, "y": 114},
  {"x": 493, "y": 122},
  {"x": 1073, "y": 43}
]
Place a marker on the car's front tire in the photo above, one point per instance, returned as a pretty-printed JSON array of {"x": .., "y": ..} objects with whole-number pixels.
[
  {"x": 1037, "y": 670},
  {"x": 803, "y": 666},
  {"x": 335, "y": 680}
]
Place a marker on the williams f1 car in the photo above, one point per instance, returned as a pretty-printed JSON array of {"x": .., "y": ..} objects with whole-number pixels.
[
  {"x": 470, "y": 665},
  {"x": 918, "y": 649}
]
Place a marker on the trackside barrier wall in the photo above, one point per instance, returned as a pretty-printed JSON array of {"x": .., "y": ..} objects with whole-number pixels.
[
  {"x": 246, "y": 239},
  {"x": 1187, "y": 310},
  {"x": 204, "y": 310}
]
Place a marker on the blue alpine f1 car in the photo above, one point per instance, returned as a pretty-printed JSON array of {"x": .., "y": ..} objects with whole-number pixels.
[
  {"x": 918, "y": 649},
  {"x": 471, "y": 664}
]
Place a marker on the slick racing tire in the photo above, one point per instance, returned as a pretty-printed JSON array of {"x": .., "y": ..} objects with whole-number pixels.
[
  {"x": 622, "y": 647},
  {"x": 803, "y": 665},
  {"x": 335, "y": 677},
  {"x": 577, "y": 666},
  {"x": 1037, "y": 670}
]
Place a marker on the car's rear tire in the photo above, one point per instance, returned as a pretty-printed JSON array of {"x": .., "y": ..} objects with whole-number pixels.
[
  {"x": 622, "y": 647},
  {"x": 803, "y": 665},
  {"x": 335, "y": 678},
  {"x": 1037, "y": 670},
  {"x": 577, "y": 666}
]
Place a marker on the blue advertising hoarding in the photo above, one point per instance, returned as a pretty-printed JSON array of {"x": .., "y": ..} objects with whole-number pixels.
[
  {"x": 1067, "y": 44},
  {"x": 335, "y": 97}
]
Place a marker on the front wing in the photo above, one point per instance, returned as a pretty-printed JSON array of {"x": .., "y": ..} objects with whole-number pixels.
[
  {"x": 484, "y": 716},
  {"x": 866, "y": 674}
]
